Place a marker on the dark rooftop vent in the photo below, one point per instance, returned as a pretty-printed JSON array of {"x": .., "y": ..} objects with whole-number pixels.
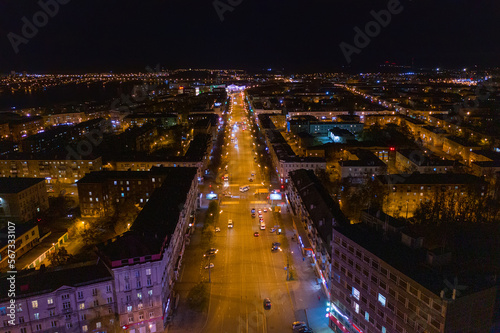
[
  {"x": 413, "y": 241},
  {"x": 438, "y": 257}
]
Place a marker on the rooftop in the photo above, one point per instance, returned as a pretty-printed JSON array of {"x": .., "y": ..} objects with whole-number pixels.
[
  {"x": 157, "y": 221},
  {"x": 322, "y": 209},
  {"x": 431, "y": 178},
  {"x": 16, "y": 185},
  {"x": 34, "y": 282},
  {"x": 413, "y": 262}
]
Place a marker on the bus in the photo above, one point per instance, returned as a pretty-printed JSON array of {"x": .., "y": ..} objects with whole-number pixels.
[{"x": 244, "y": 188}]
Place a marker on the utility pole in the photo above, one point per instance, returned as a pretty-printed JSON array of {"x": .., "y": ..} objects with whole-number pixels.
[
  {"x": 209, "y": 277},
  {"x": 287, "y": 267}
]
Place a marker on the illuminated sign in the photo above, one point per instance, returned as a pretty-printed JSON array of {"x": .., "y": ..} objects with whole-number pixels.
[{"x": 275, "y": 196}]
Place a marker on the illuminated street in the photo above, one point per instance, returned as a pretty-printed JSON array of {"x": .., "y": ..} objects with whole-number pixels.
[{"x": 246, "y": 271}]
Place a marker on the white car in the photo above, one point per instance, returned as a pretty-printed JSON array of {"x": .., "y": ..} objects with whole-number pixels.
[
  {"x": 230, "y": 223},
  {"x": 211, "y": 265}
]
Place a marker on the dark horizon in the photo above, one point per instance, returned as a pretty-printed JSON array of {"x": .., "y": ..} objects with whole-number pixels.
[{"x": 118, "y": 36}]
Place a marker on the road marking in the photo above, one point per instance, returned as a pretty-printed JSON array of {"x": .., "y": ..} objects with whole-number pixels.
[
  {"x": 258, "y": 202},
  {"x": 229, "y": 203}
]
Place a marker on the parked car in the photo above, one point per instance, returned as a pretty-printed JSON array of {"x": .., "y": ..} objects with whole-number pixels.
[
  {"x": 217, "y": 229},
  {"x": 267, "y": 304},
  {"x": 304, "y": 330},
  {"x": 211, "y": 265},
  {"x": 256, "y": 234},
  {"x": 298, "y": 324}
]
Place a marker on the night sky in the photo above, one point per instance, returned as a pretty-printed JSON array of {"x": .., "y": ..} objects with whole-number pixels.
[{"x": 124, "y": 35}]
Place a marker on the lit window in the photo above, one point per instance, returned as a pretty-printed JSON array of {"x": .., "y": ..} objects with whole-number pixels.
[
  {"x": 355, "y": 293},
  {"x": 367, "y": 316},
  {"x": 129, "y": 308},
  {"x": 85, "y": 328},
  {"x": 381, "y": 299},
  {"x": 50, "y": 301},
  {"x": 34, "y": 304},
  {"x": 81, "y": 306}
]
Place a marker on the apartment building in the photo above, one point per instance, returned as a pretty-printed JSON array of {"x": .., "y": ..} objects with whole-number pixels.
[
  {"x": 21, "y": 199},
  {"x": 140, "y": 119},
  {"x": 138, "y": 138},
  {"x": 384, "y": 280},
  {"x": 100, "y": 191},
  {"x": 321, "y": 128},
  {"x": 358, "y": 164},
  {"x": 71, "y": 299},
  {"x": 284, "y": 158},
  {"x": 317, "y": 213},
  {"x": 406, "y": 191},
  {"x": 410, "y": 161},
  {"x": 27, "y": 237},
  {"x": 59, "y": 171},
  {"x": 459, "y": 148},
  {"x": 67, "y": 118},
  {"x": 145, "y": 260},
  {"x": 25, "y": 126},
  {"x": 61, "y": 136}
]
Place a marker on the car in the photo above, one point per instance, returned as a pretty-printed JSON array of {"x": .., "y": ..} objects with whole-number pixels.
[
  {"x": 211, "y": 252},
  {"x": 298, "y": 324},
  {"x": 252, "y": 210},
  {"x": 267, "y": 304},
  {"x": 253, "y": 214},
  {"x": 304, "y": 329},
  {"x": 250, "y": 179},
  {"x": 265, "y": 210},
  {"x": 211, "y": 265},
  {"x": 217, "y": 229},
  {"x": 253, "y": 173},
  {"x": 272, "y": 229},
  {"x": 275, "y": 248},
  {"x": 256, "y": 234},
  {"x": 230, "y": 223}
]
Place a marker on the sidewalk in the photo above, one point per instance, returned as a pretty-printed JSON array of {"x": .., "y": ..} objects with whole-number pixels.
[
  {"x": 309, "y": 300},
  {"x": 184, "y": 319}
]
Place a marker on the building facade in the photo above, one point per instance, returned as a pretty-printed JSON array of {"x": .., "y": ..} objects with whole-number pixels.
[{"x": 21, "y": 199}]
